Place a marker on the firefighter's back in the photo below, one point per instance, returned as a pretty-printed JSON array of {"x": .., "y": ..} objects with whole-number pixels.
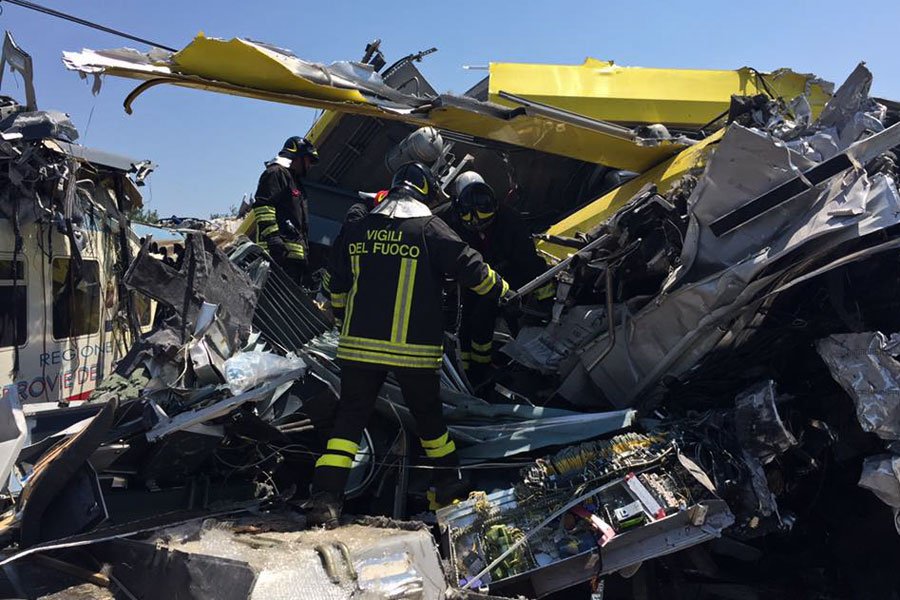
[{"x": 392, "y": 315}]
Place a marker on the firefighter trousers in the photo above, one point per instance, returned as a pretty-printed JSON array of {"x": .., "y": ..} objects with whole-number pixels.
[
  {"x": 359, "y": 390},
  {"x": 295, "y": 268},
  {"x": 476, "y": 334}
]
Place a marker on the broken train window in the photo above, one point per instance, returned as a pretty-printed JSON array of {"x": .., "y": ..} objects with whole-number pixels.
[
  {"x": 143, "y": 306},
  {"x": 12, "y": 303},
  {"x": 76, "y": 298}
]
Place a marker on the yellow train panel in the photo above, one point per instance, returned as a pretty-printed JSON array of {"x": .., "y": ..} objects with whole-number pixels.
[
  {"x": 678, "y": 97},
  {"x": 663, "y": 175}
]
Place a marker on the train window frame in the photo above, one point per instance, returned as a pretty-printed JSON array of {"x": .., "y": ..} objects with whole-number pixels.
[
  {"x": 15, "y": 278},
  {"x": 93, "y": 318}
]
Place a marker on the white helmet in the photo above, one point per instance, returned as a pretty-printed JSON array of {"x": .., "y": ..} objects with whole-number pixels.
[{"x": 465, "y": 179}]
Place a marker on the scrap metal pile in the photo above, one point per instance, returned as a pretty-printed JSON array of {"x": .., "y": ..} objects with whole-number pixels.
[
  {"x": 711, "y": 409},
  {"x": 730, "y": 308}
]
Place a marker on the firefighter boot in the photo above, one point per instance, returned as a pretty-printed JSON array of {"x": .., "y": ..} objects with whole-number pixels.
[
  {"x": 447, "y": 488},
  {"x": 324, "y": 509}
]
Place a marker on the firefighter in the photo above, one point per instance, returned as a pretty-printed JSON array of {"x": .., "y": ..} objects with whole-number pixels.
[
  {"x": 499, "y": 234},
  {"x": 357, "y": 211},
  {"x": 280, "y": 207},
  {"x": 386, "y": 289}
]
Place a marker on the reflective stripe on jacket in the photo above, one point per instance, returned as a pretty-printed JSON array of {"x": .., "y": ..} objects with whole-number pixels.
[{"x": 387, "y": 280}]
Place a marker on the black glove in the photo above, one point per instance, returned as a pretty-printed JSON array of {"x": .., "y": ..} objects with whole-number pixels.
[
  {"x": 511, "y": 304},
  {"x": 291, "y": 229}
]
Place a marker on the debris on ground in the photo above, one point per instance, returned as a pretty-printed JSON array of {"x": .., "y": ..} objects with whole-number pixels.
[{"x": 709, "y": 409}]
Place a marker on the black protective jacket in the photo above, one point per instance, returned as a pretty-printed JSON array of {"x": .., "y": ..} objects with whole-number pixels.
[
  {"x": 506, "y": 244},
  {"x": 281, "y": 211},
  {"x": 387, "y": 280},
  {"x": 355, "y": 213}
]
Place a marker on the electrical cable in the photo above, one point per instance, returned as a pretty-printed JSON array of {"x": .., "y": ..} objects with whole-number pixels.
[{"x": 79, "y": 21}]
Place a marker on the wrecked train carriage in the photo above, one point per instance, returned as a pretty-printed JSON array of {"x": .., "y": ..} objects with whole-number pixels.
[
  {"x": 783, "y": 200},
  {"x": 549, "y": 138},
  {"x": 692, "y": 283},
  {"x": 65, "y": 240},
  {"x": 786, "y": 239}
]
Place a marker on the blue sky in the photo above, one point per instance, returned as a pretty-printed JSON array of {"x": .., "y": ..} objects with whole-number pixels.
[{"x": 210, "y": 148}]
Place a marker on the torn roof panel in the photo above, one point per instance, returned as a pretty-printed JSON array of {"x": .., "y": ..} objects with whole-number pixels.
[
  {"x": 246, "y": 68},
  {"x": 518, "y": 128},
  {"x": 252, "y": 65},
  {"x": 635, "y": 95},
  {"x": 117, "y": 162},
  {"x": 579, "y": 100}
]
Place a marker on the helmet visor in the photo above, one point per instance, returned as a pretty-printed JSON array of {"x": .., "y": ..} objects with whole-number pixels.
[{"x": 479, "y": 200}]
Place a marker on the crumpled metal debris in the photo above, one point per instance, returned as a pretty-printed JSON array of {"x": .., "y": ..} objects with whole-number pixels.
[
  {"x": 700, "y": 279},
  {"x": 13, "y": 433},
  {"x": 39, "y": 125},
  {"x": 865, "y": 366},
  {"x": 881, "y": 476},
  {"x": 546, "y": 349},
  {"x": 205, "y": 276},
  {"x": 716, "y": 285},
  {"x": 211, "y": 303},
  {"x": 759, "y": 427}
]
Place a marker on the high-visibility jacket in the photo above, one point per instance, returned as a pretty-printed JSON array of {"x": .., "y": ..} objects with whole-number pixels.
[
  {"x": 281, "y": 212},
  {"x": 387, "y": 281}
]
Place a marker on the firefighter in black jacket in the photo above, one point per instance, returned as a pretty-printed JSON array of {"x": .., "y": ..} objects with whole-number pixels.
[
  {"x": 355, "y": 213},
  {"x": 387, "y": 281},
  {"x": 499, "y": 234},
  {"x": 280, "y": 207}
]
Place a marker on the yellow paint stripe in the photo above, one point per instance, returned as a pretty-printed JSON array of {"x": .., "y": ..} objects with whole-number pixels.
[
  {"x": 245, "y": 63},
  {"x": 602, "y": 90},
  {"x": 663, "y": 176},
  {"x": 247, "y": 224}
]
